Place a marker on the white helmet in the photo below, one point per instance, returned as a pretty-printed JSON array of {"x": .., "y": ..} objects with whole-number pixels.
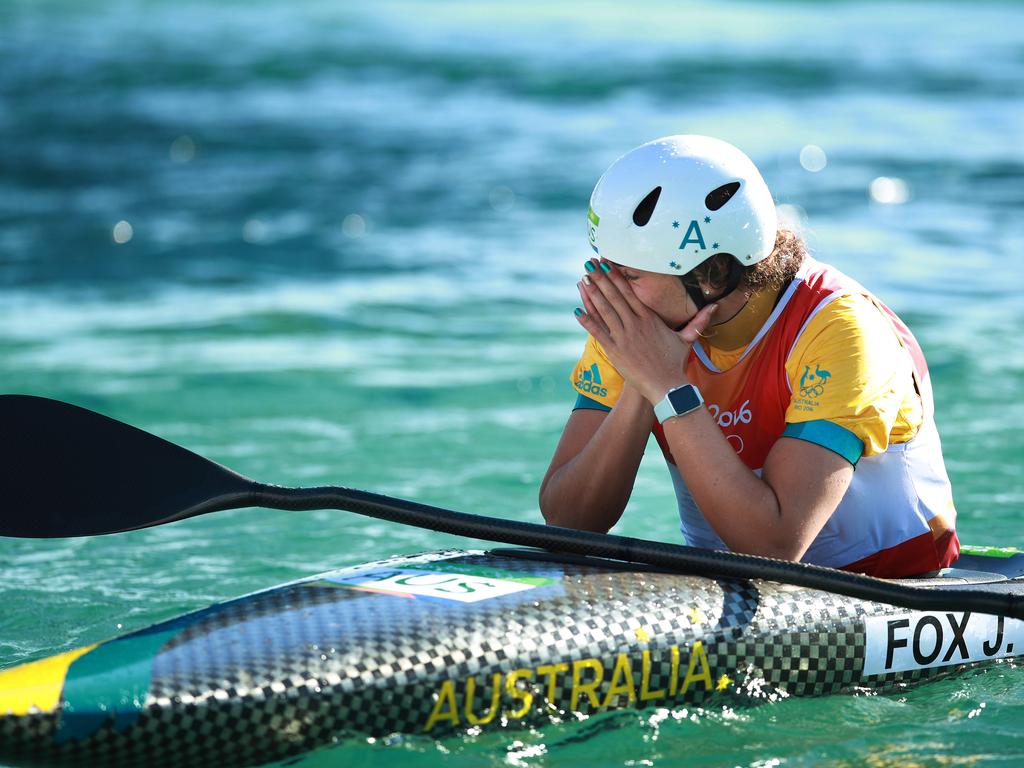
[{"x": 671, "y": 204}]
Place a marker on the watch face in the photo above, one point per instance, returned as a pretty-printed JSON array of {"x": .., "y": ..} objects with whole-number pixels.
[{"x": 684, "y": 399}]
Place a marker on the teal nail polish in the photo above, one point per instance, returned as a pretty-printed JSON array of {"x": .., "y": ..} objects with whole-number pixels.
[
  {"x": 578, "y": 312},
  {"x": 589, "y": 266},
  {"x": 606, "y": 267}
]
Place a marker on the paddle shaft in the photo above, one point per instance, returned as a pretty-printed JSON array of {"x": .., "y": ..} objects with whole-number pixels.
[
  {"x": 69, "y": 471},
  {"x": 675, "y": 557}
]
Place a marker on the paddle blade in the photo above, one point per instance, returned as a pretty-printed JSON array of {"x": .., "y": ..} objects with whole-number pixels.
[{"x": 68, "y": 471}]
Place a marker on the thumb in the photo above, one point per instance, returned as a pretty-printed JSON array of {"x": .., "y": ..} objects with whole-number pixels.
[{"x": 697, "y": 324}]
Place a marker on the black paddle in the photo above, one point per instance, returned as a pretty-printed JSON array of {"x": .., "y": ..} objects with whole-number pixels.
[{"x": 68, "y": 471}]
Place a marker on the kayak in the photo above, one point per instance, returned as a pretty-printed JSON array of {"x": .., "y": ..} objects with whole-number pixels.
[{"x": 442, "y": 642}]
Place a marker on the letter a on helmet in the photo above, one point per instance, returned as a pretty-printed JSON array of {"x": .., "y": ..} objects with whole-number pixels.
[{"x": 671, "y": 204}]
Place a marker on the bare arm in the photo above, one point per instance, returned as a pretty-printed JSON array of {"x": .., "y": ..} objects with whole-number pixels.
[
  {"x": 592, "y": 472},
  {"x": 775, "y": 515}
]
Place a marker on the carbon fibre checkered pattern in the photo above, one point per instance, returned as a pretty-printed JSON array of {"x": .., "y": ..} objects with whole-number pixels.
[{"x": 284, "y": 671}]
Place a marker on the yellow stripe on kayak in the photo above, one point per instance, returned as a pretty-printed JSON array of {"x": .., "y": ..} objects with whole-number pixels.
[{"x": 36, "y": 685}]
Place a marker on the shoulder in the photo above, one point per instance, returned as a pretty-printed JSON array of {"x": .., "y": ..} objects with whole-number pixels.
[
  {"x": 594, "y": 378},
  {"x": 849, "y": 313},
  {"x": 849, "y": 330}
]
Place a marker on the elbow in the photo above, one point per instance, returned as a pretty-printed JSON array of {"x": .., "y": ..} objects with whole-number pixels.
[
  {"x": 568, "y": 515},
  {"x": 780, "y": 550},
  {"x": 542, "y": 500},
  {"x": 552, "y": 504},
  {"x": 548, "y": 508},
  {"x": 771, "y": 544},
  {"x": 781, "y": 542},
  {"x": 780, "y": 539},
  {"x": 547, "y": 513}
]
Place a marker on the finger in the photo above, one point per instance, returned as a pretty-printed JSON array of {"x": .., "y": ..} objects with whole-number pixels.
[
  {"x": 625, "y": 289},
  {"x": 602, "y": 280},
  {"x": 593, "y": 327},
  {"x": 601, "y": 306},
  {"x": 698, "y": 323},
  {"x": 591, "y": 310}
]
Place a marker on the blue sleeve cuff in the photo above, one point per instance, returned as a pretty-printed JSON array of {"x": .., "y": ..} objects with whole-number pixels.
[
  {"x": 582, "y": 401},
  {"x": 828, "y": 435}
]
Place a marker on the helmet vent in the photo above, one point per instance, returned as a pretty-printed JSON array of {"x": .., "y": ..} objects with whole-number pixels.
[
  {"x": 645, "y": 209},
  {"x": 718, "y": 197}
]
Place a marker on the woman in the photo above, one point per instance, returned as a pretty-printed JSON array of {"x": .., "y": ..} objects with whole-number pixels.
[{"x": 793, "y": 408}]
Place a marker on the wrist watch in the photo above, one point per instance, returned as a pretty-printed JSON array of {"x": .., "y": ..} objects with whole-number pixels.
[{"x": 678, "y": 402}]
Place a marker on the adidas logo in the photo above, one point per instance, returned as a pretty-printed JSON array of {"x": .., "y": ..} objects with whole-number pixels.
[{"x": 589, "y": 380}]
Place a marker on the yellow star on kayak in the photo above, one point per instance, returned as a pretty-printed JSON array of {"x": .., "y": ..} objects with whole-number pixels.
[
  {"x": 696, "y": 617},
  {"x": 723, "y": 682},
  {"x": 641, "y": 635}
]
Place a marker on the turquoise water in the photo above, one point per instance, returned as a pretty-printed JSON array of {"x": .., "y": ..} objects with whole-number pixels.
[{"x": 349, "y": 237}]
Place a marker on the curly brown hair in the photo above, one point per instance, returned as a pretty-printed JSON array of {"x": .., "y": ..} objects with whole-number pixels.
[{"x": 774, "y": 272}]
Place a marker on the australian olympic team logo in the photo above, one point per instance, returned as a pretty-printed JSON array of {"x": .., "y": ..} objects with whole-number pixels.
[{"x": 813, "y": 384}]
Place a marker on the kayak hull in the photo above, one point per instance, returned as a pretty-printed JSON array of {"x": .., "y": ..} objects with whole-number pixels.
[{"x": 445, "y": 641}]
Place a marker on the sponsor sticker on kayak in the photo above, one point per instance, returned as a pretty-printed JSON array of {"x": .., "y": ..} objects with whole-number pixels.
[
  {"x": 921, "y": 640},
  {"x": 463, "y": 584}
]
